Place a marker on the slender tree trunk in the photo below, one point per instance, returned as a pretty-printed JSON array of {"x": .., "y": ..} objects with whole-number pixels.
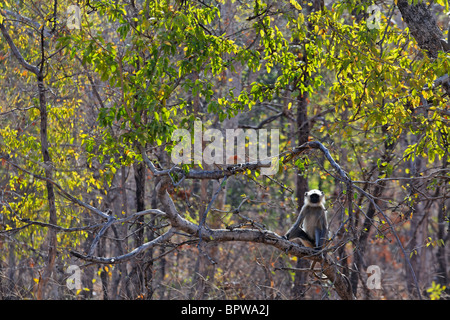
[
  {"x": 419, "y": 226},
  {"x": 442, "y": 277},
  {"x": 51, "y": 233},
  {"x": 361, "y": 243},
  {"x": 139, "y": 177},
  {"x": 303, "y": 135},
  {"x": 104, "y": 273},
  {"x": 138, "y": 265},
  {"x": 301, "y": 188}
]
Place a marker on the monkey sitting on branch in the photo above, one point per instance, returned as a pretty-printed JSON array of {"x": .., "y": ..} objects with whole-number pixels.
[{"x": 311, "y": 226}]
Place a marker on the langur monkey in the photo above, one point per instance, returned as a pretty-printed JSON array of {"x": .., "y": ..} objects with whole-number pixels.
[{"x": 311, "y": 226}]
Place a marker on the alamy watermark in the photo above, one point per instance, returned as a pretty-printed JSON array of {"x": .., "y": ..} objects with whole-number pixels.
[
  {"x": 74, "y": 17},
  {"x": 73, "y": 282},
  {"x": 373, "y": 21},
  {"x": 374, "y": 280},
  {"x": 252, "y": 147}
]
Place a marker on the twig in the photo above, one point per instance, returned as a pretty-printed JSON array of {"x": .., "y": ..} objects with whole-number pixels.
[
  {"x": 202, "y": 221},
  {"x": 61, "y": 190},
  {"x": 125, "y": 257}
]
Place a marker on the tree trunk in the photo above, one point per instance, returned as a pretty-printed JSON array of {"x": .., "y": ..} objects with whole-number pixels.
[
  {"x": 441, "y": 273},
  {"x": 422, "y": 25},
  {"x": 359, "y": 264},
  {"x": 301, "y": 188},
  {"x": 141, "y": 267},
  {"x": 419, "y": 226},
  {"x": 51, "y": 233}
]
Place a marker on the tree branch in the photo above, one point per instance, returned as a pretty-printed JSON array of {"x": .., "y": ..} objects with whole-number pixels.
[
  {"x": 125, "y": 257},
  {"x": 16, "y": 52},
  {"x": 61, "y": 190},
  {"x": 30, "y": 22},
  {"x": 316, "y": 145},
  {"x": 264, "y": 122},
  {"x": 227, "y": 171}
]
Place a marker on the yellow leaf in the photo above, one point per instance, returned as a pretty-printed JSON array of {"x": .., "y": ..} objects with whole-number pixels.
[
  {"x": 296, "y": 5},
  {"x": 379, "y": 67}
]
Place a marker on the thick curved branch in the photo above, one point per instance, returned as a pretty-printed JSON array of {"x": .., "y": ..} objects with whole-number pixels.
[
  {"x": 17, "y": 53},
  {"x": 227, "y": 171},
  {"x": 340, "y": 282},
  {"x": 27, "y": 21}
]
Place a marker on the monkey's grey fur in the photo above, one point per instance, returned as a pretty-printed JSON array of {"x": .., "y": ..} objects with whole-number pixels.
[{"x": 311, "y": 225}]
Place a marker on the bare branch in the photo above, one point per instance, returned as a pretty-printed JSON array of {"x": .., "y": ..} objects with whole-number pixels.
[
  {"x": 228, "y": 170},
  {"x": 112, "y": 220},
  {"x": 61, "y": 190},
  {"x": 16, "y": 52},
  {"x": 48, "y": 225},
  {"x": 125, "y": 257},
  {"x": 315, "y": 145},
  {"x": 156, "y": 212},
  {"x": 30, "y": 22},
  {"x": 264, "y": 122}
]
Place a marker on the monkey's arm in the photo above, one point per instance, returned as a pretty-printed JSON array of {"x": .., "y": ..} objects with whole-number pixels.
[{"x": 295, "y": 226}]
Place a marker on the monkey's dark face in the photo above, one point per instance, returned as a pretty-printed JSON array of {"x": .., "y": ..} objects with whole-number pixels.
[{"x": 314, "y": 197}]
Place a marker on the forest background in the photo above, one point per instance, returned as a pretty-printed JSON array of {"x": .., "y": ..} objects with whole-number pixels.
[{"x": 91, "y": 206}]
